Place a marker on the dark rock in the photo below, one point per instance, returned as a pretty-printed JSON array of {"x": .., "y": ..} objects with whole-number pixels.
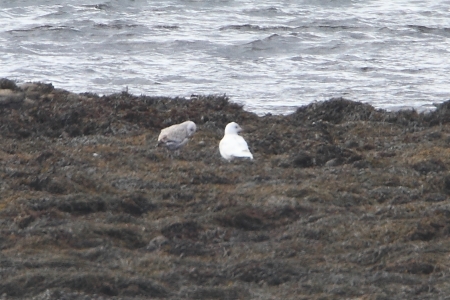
[
  {"x": 137, "y": 205},
  {"x": 186, "y": 230},
  {"x": 423, "y": 232},
  {"x": 303, "y": 160},
  {"x": 245, "y": 220},
  {"x": 447, "y": 184},
  {"x": 413, "y": 267},
  {"x": 336, "y": 110},
  {"x": 6, "y": 84},
  {"x": 126, "y": 237},
  {"x": 218, "y": 293},
  {"x": 431, "y": 165},
  {"x": 435, "y": 197},
  {"x": 272, "y": 273}
]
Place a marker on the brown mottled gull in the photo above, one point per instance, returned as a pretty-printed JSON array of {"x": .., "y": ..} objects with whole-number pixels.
[{"x": 176, "y": 136}]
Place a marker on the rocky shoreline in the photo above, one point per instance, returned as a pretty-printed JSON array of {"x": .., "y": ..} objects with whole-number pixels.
[{"x": 341, "y": 201}]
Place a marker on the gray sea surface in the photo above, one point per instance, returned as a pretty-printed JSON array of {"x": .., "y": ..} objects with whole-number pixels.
[{"x": 271, "y": 56}]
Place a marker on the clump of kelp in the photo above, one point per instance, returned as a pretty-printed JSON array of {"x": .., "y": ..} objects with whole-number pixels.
[{"x": 342, "y": 200}]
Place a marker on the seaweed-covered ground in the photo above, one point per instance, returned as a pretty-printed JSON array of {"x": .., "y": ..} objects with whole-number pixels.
[{"x": 341, "y": 201}]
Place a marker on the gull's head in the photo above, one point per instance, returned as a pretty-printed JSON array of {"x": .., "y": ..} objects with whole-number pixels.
[
  {"x": 190, "y": 128},
  {"x": 233, "y": 128}
]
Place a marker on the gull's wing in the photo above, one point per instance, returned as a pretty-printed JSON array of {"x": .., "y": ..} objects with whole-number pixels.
[
  {"x": 174, "y": 133},
  {"x": 233, "y": 145}
]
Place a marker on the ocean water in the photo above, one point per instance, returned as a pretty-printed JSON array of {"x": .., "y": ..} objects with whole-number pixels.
[{"x": 271, "y": 56}]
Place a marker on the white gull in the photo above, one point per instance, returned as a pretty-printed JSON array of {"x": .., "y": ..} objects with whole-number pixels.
[{"x": 233, "y": 145}]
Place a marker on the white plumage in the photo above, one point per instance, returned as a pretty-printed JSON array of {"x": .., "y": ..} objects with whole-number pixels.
[
  {"x": 176, "y": 136},
  {"x": 233, "y": 145}
]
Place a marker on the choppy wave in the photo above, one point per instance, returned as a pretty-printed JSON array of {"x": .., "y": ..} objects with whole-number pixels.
[{"x": 272, "y": 58}]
